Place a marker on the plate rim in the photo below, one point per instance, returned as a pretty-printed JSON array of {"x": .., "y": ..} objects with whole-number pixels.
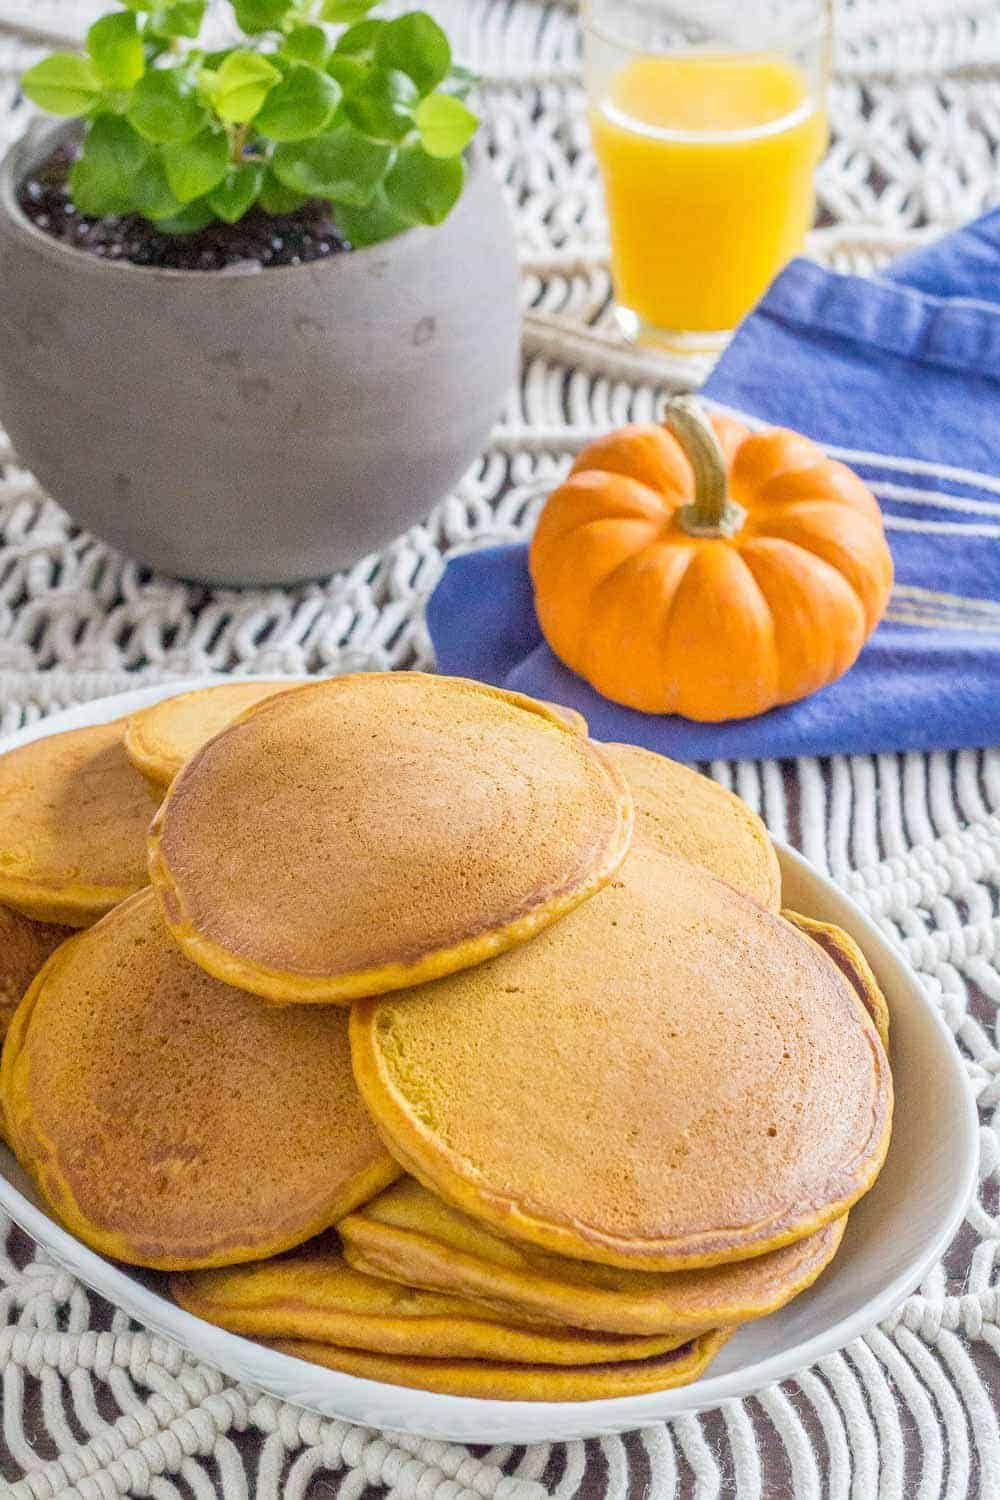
[{"x": 462, "y": 1418}]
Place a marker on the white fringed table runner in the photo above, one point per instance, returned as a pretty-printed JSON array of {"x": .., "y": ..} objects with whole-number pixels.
[{"x": 94, "y": 1407}]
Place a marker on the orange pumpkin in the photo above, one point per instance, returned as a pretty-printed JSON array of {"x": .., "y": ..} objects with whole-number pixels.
[{"x": 701, "y": 569}]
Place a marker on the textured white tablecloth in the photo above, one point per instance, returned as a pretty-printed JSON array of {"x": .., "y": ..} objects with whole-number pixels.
[{"x": 94, "y": 1407}]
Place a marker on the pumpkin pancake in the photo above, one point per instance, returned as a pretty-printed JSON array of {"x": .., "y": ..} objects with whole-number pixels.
[
  {"x": 570, "y": 716},
  {"x": 160, "y": 739},
  {"x": 686, "y": 814},
  {"x": 374, "y": 831},
  {"x": 517, "y": 1382},
  {"x": 315, "y": 1295},
  {"x": 845, "y": 953},
  {"x": 669, "y": 1077},
  {"x": 172, "y": 1121},
  {"x": 24, "y": 947},
  {"x": 74, "y": 814},
  {"x": 410, "y": 1236}
]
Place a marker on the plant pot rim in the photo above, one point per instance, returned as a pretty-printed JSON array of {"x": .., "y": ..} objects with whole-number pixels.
[{"x": 43, "y": 136}]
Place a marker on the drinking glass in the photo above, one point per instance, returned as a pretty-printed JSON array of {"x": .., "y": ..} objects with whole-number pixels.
[{"x": 708, "y": 119}]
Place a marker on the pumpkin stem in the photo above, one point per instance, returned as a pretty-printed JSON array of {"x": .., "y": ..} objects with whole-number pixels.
[{"x": 711, "y": 513}]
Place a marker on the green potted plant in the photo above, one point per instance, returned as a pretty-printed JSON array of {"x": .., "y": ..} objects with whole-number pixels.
[{"x": 259, "y": 303}]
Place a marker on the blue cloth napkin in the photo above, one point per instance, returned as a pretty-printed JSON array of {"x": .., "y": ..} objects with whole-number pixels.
[{"x": 900, "y": 377}]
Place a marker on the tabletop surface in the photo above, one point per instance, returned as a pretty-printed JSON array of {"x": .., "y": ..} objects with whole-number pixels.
[{"x": 95, "y": 1407}]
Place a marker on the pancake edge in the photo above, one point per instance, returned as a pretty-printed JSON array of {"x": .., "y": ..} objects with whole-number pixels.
[
  {"x": 69, "y": 903},
  {"x": 78, "y": 906},
  {"x": 449, "y": 1335},
  {"x": 40, "y": 1162},
  {"x": 157, "y": 768},
  {"x": 855, "y": 967},
  {"x": 770, "y": 897},
  {"x": 442, "y": 1171},
  {"x": 571, "y": 717},
  {"x": 496, "y": 1381},
  {"x": 280, "y": 987},
  {"x": 369, "y": 1245}
]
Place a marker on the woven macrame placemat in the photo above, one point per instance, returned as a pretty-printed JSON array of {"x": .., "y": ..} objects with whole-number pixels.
[{"x": 96, "y": 1408}]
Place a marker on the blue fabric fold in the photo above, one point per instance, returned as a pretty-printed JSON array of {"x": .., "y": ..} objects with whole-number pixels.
[{"x": 900, "y": 377}]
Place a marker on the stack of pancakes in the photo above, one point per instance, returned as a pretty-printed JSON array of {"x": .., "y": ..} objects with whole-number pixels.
[{"x": 425, "y": 1039}]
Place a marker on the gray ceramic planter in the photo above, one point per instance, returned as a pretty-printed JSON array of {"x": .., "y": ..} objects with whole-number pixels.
[{"x": 255, "y": 427}]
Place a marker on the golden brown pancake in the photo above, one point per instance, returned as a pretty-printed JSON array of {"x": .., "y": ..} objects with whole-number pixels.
[
  {"x": 24, "y": 947},
  {"x": 410, "y": 1236},
  {"x": 172, "y": 1121},
  {"x": 74, "y": 814},
  {"x": 570, "y": 716},
  {"x": 371, "y": 832},
  {"x": 313, "y": 1294},
  {"x": 845, "y": 953},
  {"x": 160, "y": 739},
  {"x": 517, "y": 1382},
  {"x": 682, "y": 813},
  {"x": 669, "y": 1077}
]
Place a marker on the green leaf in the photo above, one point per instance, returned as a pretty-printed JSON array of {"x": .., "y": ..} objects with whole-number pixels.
[
  {"x": 346, "y": 12},
  {"x": 139, "y": 5},
  {"x": 276, "y": 198},
  {"x": 183, "y": 18},
  {"x": 153, "y": 46},
  {"x": 112, "y": 139},
  {"x": 349, "y": 72},
  {"x": 187, "y": 220},
  {"x": 253, "y": 16},
  {"x": 195, "y": 167},
  {"x": 301, "y": 105},
  {"x": 383, "y": 106},
  {"x": 151, "y": 193},
  {"x": 446, "y": 126},
  {"x": 242, "y": 83},
  {"x": 237, "y": 191},
  {"x": 306, "y": 44},
  {"x": 206, "y": 79},
  {"x": 360, "y": 41},
  {"x": 424, "y": 189},
  {"x": 93, "y": 194},
  {"x": 371, "y": 224},
  {"x": 341, "y": 165},
  {"x": 165, "y": 107},
  {"x": 101, "y": 179},
  {"x": 63, "y": 84},
  {"x": 115, "y": 45},
  {"x": 416, "y": 45}
]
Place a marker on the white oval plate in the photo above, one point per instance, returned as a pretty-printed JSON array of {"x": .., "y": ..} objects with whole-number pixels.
[{"x": 894, "y": 1236}]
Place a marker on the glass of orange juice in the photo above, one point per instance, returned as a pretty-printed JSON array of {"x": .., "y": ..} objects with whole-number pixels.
[{"x": 708, "y": 119}]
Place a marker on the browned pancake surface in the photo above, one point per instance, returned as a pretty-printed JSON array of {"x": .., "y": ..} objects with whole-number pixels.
[
  {"x": 371, "y": 831},
  {"x": 173, "y": 1121},
  {"x": 160, "y": 739},
  {"x": 683, "y": 813},
  {"x": 24, "y": 947},
  {"x": 74, "y": 814},
  {"x": 670, "y": 1076},
  {"x": 841, "y": 948}
]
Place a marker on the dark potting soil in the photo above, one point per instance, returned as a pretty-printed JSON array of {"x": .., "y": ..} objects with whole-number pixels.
[{"x": 258, "y": 238}]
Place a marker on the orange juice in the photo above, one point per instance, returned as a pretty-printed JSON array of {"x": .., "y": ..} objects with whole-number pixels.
[{"x": 707, "y": 161}]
